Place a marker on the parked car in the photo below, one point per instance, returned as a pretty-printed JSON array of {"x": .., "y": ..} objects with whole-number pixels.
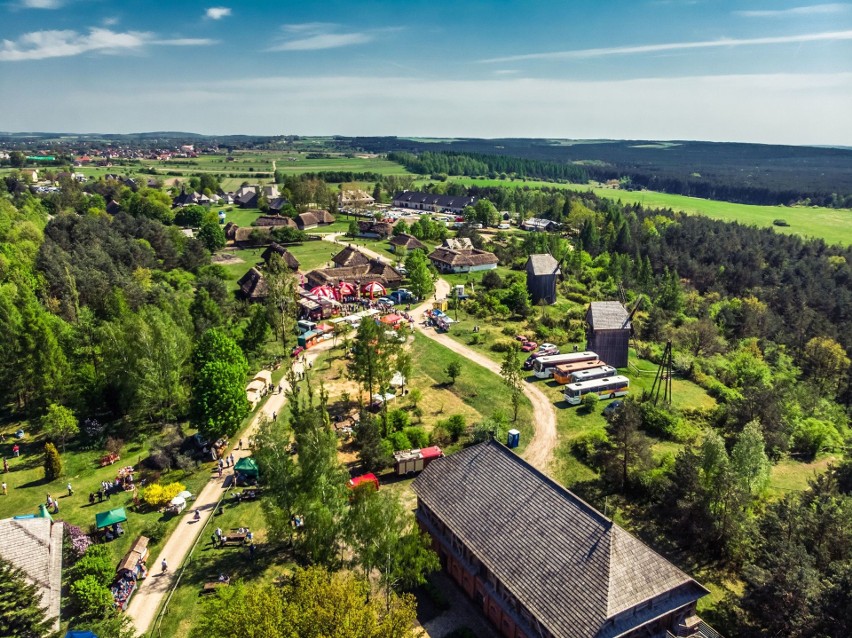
[
  {"x": 503, "y": 226},
  {"x": 402, "y": 270},
  {"x": 529, "y": 346},
  {"x": 297, "y": 351},
  {"x": 612, "y": 408},
  {"x": 521, "y": 338},
  {"x": 384, "y": 301},
  {"x": 548, "y": 346}
]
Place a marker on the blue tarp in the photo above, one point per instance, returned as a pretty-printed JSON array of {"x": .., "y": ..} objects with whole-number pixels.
[{"x": 79, "y": 634}]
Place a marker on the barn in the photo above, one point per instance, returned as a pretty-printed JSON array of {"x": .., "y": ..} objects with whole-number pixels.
[
  {"x": 542, "y": 273},
  {"x": 608, "y": 330},
  {"x": 539, "y": 562}
]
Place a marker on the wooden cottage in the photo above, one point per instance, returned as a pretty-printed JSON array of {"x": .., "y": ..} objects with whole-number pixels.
[
  {"x": 542, "y": 273},
  {"x": 406, "y": 242},
  {"x": 608, "y": 330},
  {"x": 313, "y": 219},
  {"x": 540, "y": 562},
  {"x": 448, "y": 260},
  {"x": 274, "y": 220},
  {"x": 253, "y": 286},
  {"x": 277, "y": 249},
  {"x": 350, "y": 256}
]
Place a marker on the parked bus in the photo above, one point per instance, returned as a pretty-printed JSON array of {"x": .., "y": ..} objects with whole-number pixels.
[
  {"x": 606, "y": 388},
  {"x": 543, "y": 366},
  {"x": 593, "y": 373},
  {"x": 562, "y": 373}
]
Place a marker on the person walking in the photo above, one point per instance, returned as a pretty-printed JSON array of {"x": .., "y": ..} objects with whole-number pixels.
[
  {"x": 5, "y": 465},
  {"x": 220, "y": 471},
  {"x": 70, "y": 490},
  {"x": 49, "y": 501},
  {"x": 5, "y": 488},
  {"x": 241, "y": 445},
  {"x": 232, "y": 459},
  {"x": 165, "y": 566}
]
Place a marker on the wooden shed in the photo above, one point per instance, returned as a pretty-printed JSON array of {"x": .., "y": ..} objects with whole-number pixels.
[
  {"x": 542, "y": 272},
  {"x": 608, "y": 330}
]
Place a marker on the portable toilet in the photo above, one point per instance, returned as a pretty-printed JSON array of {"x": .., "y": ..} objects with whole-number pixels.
[
  {"x": 514, "y": 438},
  {"x": 221, "y": 217}
]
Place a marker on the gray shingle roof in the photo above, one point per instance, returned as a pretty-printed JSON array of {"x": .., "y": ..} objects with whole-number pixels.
[
  {"x": 34, "y": 545},
  {"x": 607, "y": 315},
  {"x": 569, "y": 565},
  {"x": 543, "y": 264}
]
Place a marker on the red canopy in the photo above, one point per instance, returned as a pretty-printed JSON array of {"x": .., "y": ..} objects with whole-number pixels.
[
  {"x": 345, "y": 288},
  {"x": 391, "y": 319},
  {"x": 374, "y": 289},
  {"x": 323, "y": 291},
  {"x": 324, "y": 327}
]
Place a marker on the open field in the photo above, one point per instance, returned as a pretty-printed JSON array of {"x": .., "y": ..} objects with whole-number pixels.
[
  {"x": 830, "y": 224},
  {"x": 28, "y": 488}
]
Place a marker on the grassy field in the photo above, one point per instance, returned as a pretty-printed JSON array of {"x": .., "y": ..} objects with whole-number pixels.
[
  {"x": 477, "y": 387},
  {"x": 830, "y": 224},
  {"x": 28, "y": 488}
]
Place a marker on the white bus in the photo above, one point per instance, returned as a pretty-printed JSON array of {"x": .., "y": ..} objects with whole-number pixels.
[
  {"x": 606, "y": 388},
  {"x": 593, "y": 373},
  {"x": 543, "y": 366}
]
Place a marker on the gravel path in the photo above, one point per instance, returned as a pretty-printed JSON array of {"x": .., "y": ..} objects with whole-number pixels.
[
  {"x": 149, "y": 596},
  {"x": 539, "y": 452}
]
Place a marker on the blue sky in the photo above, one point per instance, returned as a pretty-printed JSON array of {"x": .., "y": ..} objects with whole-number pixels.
[{"x": 727, "y": 70}]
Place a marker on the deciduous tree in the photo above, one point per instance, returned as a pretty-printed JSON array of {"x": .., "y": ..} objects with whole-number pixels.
[{"x": 60, "y": 424}]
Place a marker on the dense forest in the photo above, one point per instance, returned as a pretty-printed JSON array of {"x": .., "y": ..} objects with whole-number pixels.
[
  {"x": 744, "y": 173},
  {"x": 475, "y": 164},
  {"x": 125, "y": 321}
]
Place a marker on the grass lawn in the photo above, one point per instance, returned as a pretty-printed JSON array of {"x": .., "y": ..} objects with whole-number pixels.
[
  {"x": 477, "y": 387},
  {"x": 240, "y": 216},
  {"x": 28, "y": 488},
  {"x": 314, "y": 254},
  {"x": 240, "y": 262},
  {"x": 832, "y": 225},
  {"x": 270, "y": 563}
]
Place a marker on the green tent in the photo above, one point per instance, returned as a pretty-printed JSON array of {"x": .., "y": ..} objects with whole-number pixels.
[
  {"x": 246, "y": 466},
  {"x": 105, "y": 519}
]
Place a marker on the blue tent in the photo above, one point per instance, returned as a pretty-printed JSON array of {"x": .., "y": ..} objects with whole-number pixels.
[{"x": 79, "y": 634}]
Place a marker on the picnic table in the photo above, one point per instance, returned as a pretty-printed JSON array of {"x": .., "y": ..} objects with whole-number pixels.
[
  {"x": 234, "y": 538},
  {"x": 109, "y": 459},
  {"x": 213, "y": 585}
]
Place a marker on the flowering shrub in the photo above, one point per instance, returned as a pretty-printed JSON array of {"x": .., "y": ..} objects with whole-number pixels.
[
  {"x": 78, "y": 540},
  {"x": 157, "y": 495}
]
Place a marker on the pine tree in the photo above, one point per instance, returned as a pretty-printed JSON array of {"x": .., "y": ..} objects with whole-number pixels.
[
  {"x": 21, "y": 613},
  {"x": 52, "y": 462}
]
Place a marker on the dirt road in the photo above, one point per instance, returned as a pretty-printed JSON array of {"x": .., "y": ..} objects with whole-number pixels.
[
  {"x": 147, "y": 600},
  {"x": 539, "y": 452}
]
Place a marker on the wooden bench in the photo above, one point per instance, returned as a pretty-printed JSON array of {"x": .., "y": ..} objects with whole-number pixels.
[
  {"x": 214, "y": 585},
  {"x": 233, "y": 539}
]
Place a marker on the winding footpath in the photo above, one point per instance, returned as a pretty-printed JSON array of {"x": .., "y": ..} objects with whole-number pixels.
[
  {"x": 152, "y": 590},
  {"x": 539, "y": 452}
]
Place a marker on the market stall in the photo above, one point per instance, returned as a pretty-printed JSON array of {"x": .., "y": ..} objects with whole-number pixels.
[
  {"x": 110, "y": 522},
  {"x": 246, "y": 471}
]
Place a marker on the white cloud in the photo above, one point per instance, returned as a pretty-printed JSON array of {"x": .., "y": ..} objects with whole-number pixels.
[
  {"x": 217, "y": 13},
  {"x": 110, "y": 21},
  {"x": 313, "y": 36},
  {"x": 814, "y": 9},
  {"x": 40, "y": 45},
  {"x": 323, "y": 41},
  {"x": 830, "y": 36},
  {"x": 309, "y": 27},
  {"x": 41, "y": 4},
  {"x": 186, "y": 42}
]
